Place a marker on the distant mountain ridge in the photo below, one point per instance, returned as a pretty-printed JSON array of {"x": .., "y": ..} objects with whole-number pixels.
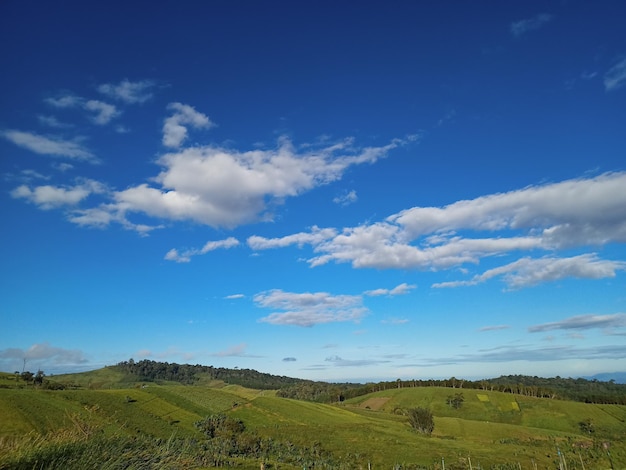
[{"x": 618, "y": 377}]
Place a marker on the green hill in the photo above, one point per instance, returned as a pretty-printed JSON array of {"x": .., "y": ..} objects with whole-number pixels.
[{"x": 106, "y": 415}]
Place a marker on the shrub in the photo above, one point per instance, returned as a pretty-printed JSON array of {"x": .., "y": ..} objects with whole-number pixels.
[{"x": 421, "y": 419}]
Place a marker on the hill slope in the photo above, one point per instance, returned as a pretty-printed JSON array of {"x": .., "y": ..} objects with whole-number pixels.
[{"x": 490, "y": 428}]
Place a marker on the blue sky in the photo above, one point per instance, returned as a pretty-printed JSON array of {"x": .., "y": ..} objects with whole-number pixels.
[{"x": 319, "y": 190}]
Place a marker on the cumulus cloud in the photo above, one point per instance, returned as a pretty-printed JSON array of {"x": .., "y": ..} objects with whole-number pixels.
[
  {"x": 615, "y": 78},
  {"x": 50, "y": 197},
  {"x": 400, "y": 289},
  {"x": 550, "y": 217},
  {"x": 519, "y": 28},
  {"x": 309, "y": 309},
  {"x": 226, "y": 188},
  {"x": 48, "y": 145},
  {"x": 175, "y": 126},
  {"x": 584, "y": 322},
  {"x": 528, "y": 272},
  {"x": 129, "y": 92},
  {"x": 185, "y": 256}
]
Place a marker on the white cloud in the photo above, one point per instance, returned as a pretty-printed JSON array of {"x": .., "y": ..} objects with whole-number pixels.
[
  {"x": 174, "y": 127},
  {"x": 518, "y": 28},
  {"x": 103, "y": 112},
  {"x": 308, "y": 309},
  {"x": 400, "y": 289},
  {"x": 225, "y": 188},
  {"x": 48, "y": 145},
  {"x": 346, "y": 198},
  {"x": 128, "y": 92},
  {"x": 551, "y": 217},
  {"x": 584, "y": 322},
  {"x": 314, "y": 237},
  {"x": 234, "y": 296},
  {"x": 50, "y": 197},
  {"x": 185, "y": 257},
  {"x": 615, "y": 78},
  {"x": 529, "y": 272}
]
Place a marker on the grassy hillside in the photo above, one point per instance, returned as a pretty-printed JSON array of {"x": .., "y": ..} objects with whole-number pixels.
[{"x": 490, "y": 429}]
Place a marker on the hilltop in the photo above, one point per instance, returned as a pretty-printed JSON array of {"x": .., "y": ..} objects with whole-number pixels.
[{"x": 129, "y": 372}]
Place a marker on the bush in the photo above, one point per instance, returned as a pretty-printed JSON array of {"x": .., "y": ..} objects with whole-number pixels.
[{"x": 421, "y": 419}]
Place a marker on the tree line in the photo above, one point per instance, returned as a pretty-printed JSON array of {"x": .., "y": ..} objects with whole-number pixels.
[
  {"x": 152, "y": 371},
  {"x": 583, "y": 390}
]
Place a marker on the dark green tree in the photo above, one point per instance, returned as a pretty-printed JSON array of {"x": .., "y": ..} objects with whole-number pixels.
[{"x": 455, "y": 401}]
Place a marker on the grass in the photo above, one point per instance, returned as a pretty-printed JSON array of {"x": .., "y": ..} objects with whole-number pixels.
[{"x": 491, "y": 428}]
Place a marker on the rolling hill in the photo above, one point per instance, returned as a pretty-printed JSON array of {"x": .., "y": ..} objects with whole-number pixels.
[{"x": 102, "y": 410}]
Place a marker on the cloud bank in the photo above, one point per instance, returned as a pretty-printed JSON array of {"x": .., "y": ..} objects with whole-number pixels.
[{"x": 570, "y": 214}]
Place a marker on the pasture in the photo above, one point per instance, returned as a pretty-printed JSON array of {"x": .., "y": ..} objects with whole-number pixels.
[{"x": 490, "y": 430}]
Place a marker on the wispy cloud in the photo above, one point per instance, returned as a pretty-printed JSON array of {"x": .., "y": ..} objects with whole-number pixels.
[
  {"x": 50, "y": 197},
  {"x": 529, "y": 272},
  {"x": 309, "y": 309},
  {"x": 289, "y": 359},
  {"x": 234, "y": 296},
  {"x": 52, "y": 121},
  {"x": 615, "y": 77},
  {"x": 400, "y": 289},
  {"x": 314, "y": 237},
  {"x": 346, "y": 199},
  {"x": 175, "y": 126},
  {"x": 101, "y": 113},
  {"x": 238, "y": 350},
  {"x": 41, "y": 354},
  {"x": 340, "y": 362},
  {"x": 528, "y": 353},
  {"x": 48, "y": 145},
  {"x": 494, "y": 328},
  {"x": 185, "y": 256},
  {"x": 129, "y": 92},
  {"x": 584, "y": 322},
  {"x": 519, "y": 28}
]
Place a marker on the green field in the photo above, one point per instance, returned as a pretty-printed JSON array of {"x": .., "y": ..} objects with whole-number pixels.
[{"x": 490, "y": 429}]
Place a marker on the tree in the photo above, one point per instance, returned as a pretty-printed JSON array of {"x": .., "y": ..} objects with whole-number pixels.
[
  {"x": 27, "y": 376},
  {"x": 38, "y": 378},
  {"x": 421, "y": 419},
  {"x": 455, "y": 401}
]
